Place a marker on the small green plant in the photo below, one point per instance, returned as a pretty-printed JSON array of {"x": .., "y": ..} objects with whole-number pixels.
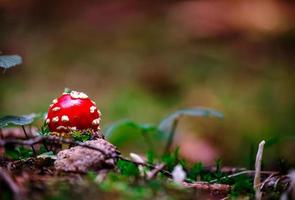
[
  {"x": 196, "y": 171},
  {"x": 242, "y": 185},
  {"x": 44, "y": 130},
  {"x": 128, "y": 168},
  {"x": 19, "y": 153},
  {"x": 172, "y": 159},
  {"x": 81, "y": 136}
]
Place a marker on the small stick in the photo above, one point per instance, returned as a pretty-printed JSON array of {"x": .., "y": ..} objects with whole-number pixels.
[
  {"x": 167, "y": 173},
  {"x": 257, "y": 183},
  {"x": 215, "y": 187},
  {"x": 32, "y": 146},
  {"x": 242, "y": 173},
  {"x": 266, "y": 181},
  {"x": 53, "y": 139},
  {"x": 152, "y": 174}
]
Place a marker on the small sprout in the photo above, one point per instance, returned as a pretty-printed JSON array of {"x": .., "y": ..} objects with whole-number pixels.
[
  {"x": 128, "y": 168},
  {"x": 257, "y": 183}
]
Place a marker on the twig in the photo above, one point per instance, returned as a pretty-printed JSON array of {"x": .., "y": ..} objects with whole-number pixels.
[
  {"x": 272, "y": 183},
  {"x": 242, "y": 173},
  {"x": 53, "y": 139},
  {"x": 215, "y": 187},
  {"x": 200, "y": 185},
  {"x": 17, "y": 194},
  {"x": 32, "y": 146},
  {"x": 257, "y": 183},
  {"x": 266, "y": 181},
  {"x": 167, "y": 173},
  {"x": 152, "y": 174}
]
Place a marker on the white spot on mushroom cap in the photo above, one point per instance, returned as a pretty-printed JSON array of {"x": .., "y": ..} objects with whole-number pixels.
[
  {"x": 93, "y": 102},
  {"x": 61, "y": 127},
  {"x": 55, "y": 119},
  {"x": 54, "y": 101},
  {"x": 96, "y": 121},
  {"x": 65, "y": 118},
  {"x": 80, "y": 95},
  {"x": 99, "y": 113},
  {"x": 47, "y": 121},
  {"x": 73, "y": 128},
  {"x": 92, "y": 109},
  {"x": 56, "y": 109}
]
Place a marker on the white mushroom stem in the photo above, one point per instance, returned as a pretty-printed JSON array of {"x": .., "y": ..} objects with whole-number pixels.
[{"x": 256, "y": 183}]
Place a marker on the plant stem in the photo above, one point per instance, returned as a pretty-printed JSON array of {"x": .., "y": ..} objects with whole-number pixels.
[
  {"x": 32, "y": 146},
  {"x": 171, "y": 137}
]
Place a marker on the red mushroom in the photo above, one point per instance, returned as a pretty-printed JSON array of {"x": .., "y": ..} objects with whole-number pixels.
[{"x": 73, "y": 111}]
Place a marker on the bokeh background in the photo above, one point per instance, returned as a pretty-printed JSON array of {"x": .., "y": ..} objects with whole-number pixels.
[{"x": 142, "y": 60}]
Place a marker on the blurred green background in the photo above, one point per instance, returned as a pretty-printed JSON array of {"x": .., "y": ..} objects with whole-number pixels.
[{"x": 142, "y": 60}]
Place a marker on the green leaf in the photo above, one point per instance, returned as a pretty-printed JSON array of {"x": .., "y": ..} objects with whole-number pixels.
[
  {"x": 44, "y": 130},
  {"x": 128, "y": 124},
  {"x": 128, "y": 168},
  {"x": 16, "y": 120},
  {"x": 19, "y": 153},
  {"x": 118, "y": 126},
  {"x": 150, "y": 157},
  {"x": 8, "y": 61},
  {"x": 124, "y": 131},
  {"x": 167, "y": 125}
]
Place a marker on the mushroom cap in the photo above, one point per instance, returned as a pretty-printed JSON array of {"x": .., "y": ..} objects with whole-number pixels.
[{"x": 73, "y": 111}]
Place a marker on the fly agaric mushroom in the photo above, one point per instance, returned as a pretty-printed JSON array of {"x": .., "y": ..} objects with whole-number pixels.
[{"x": 73, "y": 111}]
